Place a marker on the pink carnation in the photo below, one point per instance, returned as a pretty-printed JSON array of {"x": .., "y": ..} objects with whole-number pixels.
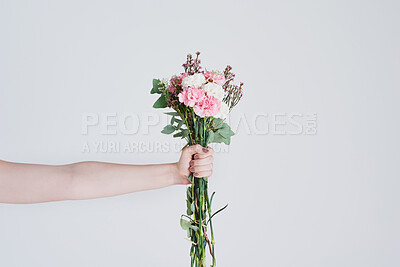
[
  {"x": 209, "y": 106},
  {"x": 191, "y": 95},
  {"x": 215, "y": 77}
]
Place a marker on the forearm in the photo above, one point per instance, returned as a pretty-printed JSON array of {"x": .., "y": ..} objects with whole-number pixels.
[
  {"x": 96, "y": 179},
  {"x": 30, "y": 183}
]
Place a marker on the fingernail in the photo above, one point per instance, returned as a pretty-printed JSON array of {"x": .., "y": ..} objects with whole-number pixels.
[
  {"x": 191, "y": 169},
  {"x": 196, "y": 174},
  {"x": 205, "y": 150},
  {"x": 191, "y": 163},
  {"x": 196, "y": 156}
]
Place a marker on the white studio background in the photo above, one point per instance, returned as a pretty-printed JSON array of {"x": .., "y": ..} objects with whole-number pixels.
[{"x": 327, "y": 199}]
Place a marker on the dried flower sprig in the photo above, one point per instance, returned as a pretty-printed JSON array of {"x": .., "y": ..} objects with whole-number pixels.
[{"x": 191, "y": 65}]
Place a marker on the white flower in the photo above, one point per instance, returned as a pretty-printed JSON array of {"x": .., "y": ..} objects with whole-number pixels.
[
  {"x": 215, "y": 90},
  {"x": 195, "y": 80},
  {"x": 223, "y": 111}
]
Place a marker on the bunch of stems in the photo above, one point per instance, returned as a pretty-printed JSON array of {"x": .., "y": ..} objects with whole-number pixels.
[{"x": 198, "y": 134}]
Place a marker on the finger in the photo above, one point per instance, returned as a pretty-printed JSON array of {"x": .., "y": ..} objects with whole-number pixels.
[
  {"x": 203, "y": 161},
  {"x": 204, "y": 155},
  {"x": 197, "y": 149},
  {"x": 201, "y": 168},
  {"x": 203, "y": 174}
]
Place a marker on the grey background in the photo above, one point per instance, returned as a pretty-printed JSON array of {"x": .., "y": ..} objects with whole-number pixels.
[{"x": 329, "y": 199}]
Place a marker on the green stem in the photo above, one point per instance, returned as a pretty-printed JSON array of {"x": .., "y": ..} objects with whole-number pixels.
[
  {"x": 198, "y": 135},
  {"x": 211, "y": 228}
]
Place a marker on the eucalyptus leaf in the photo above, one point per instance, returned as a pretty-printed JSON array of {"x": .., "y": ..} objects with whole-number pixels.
[
  {"x": 217, "y": 122},
  {"x": 156, "y": 86},
  {"x": 184, "y": 224},
  {"x": 178, "y": 134},
  {"x": 180, "y": 123},
  {"x": 172, "y": 113},
  {"x": 169, "y": 129},
  {"x": 189, "y": 212},
  {"x": 218, "y": 138},
  {"x": 185, "y": 133},
  {"x": 192, "y": 207},
  {"x": 210, "y": 137},
  {"x": 195, "y": 228},
  {"x": 161, "y": 102}
]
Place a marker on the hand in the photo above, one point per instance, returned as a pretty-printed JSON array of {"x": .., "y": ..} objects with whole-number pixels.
[{"x": 201, "y": 165}]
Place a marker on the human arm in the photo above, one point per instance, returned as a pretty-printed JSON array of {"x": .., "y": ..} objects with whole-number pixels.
[{"x": 32, "y": 183}]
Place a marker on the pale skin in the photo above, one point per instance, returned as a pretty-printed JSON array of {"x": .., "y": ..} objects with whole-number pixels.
[{"x": 32, "y": 183}]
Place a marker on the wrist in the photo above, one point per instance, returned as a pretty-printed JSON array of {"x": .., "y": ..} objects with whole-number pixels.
[{"x": 175, "y": 177}]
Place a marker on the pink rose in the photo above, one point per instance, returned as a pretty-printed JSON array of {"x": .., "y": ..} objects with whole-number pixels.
[
  {"x": 191, "y": 95},
  {"x": 215, "y": 77},
  {"x": 209, "y": 106}
]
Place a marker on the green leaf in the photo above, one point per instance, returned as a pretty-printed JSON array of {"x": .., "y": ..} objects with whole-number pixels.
[
  {"x": 210, "y": 137},
  {"x": 169, "y": 129},
  {"x": 195, "y": 228},
  {"x": 173, "y": 113},
  {"x": 189, "y": 212},
  {"x": 218, "y": 138},
  {"x": 225, "y": 128},
  {"x": 223, "y": 134},
  {"x": 180, "y": 123},
  {"x": 178, "y": 134},
  {"x": 185, "y": 133},
  {"x": 211, "y": 199},
  {"x": 188, "y": 207},
  {"x": 156, "y": 86},
  {"x": 215, "y": 213},
  {"x": 184, "y": 224},
  {"x": 192, "y": 207},
  {"x": 217, "y": 122},
  {"x": 161, "y": 102},
  {"x": 227, "y": 140}
]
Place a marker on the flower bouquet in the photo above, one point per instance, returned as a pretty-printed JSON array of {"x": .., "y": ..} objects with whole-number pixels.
[{"x": 201, "y": 101}]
